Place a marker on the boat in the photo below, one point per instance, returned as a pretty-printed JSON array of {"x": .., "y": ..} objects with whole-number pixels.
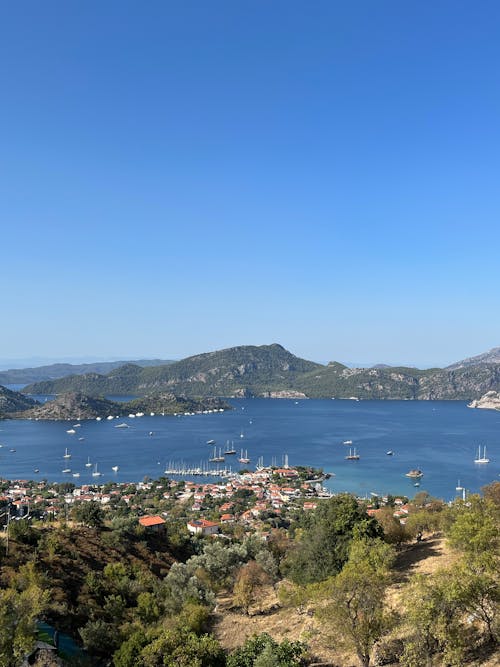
[
  {"x": 110, "y": 417},
  {"x": 417, "y": 484},
  {"x": 71, "y": 431},
  {"x": 215, "y": 458},
  {"x": 98, "y": 419},
  {"x": 66, "y": 470},
  {"x": 415, "y": 473},
  {"x": 122, "y": 425},
  {"x": 115, "y": 468},
  {"x": 76, "y": 474},
  {"x": 390, "y": 453},
  {"x": 353, "y": 455},
  {"x": 96, "y": 473},
  {"x": 12, "y": 450},
  {"x": 88, "y": 464},
  {"x": 347, "y": 442},
  {"x": 244, "y": 459},
  {"x": 242, "y": 435},
  {"x": 229, "y": 449},
  {"x": 459, "y": 487},
  {"x": 210, "y": 442},
  {"x": 76, "y": 425},
  {"x": 36, "y": 470},
  {"x": 481, "y": 459},
  {"x": 151, "y": 433},
  {"x": 66, "y": 455},
  {"x": 81, "y": 439}
]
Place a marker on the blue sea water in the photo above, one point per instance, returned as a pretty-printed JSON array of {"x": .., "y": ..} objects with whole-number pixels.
[{"x": 439, "y": 437}]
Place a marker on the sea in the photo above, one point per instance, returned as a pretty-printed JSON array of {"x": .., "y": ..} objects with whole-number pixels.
[{"x": 441, "y": 438}]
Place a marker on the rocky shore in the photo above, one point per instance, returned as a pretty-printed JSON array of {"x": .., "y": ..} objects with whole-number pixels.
[{"x": 489, "y": 401}]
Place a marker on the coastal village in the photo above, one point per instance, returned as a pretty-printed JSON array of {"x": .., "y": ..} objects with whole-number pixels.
[{"x": 239, "y": 502}]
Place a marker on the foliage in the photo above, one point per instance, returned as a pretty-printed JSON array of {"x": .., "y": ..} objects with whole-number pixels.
[
  {"x": 179, "y": 648},
  {"x": 327, "y": 533},
  {"x": 89, "y": 513},
  {"x": 18, "y": 614},
  {"x": 251, "y": 577},
  {"x": 22, "y": 531},
  {"x": 355, "y": 613},
  {"x": 263, "y": 651}
]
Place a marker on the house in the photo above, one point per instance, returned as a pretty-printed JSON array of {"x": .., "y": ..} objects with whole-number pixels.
[
  {"x": 152, "y": 523},
  {"x": 203, "y": 527}
]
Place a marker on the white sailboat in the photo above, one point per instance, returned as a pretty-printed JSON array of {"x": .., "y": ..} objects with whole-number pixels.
[
  {"x": 353, "y": 455},
  {"x": 115, "y": 468},
  {"x": 244, "y": 459},
  {"x": 459, "y": 487},
  {"x": 66, "y": 455},
  {"x": 481, "y": 459},
  {"x": 96, "y": 473},
  {"x": 88, "y": 464}
]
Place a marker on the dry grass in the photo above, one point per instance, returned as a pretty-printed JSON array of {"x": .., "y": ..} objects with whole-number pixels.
[{"x": 232, "y": 628}]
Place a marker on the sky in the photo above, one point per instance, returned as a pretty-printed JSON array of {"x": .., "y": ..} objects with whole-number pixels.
[{"x": 179, "y": 177}]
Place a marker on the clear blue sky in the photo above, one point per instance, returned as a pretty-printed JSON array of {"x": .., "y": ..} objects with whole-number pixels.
[{"x": 183, "y": 176}]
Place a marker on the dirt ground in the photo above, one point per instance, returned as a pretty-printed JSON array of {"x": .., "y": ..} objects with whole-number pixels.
[{"x": 232, "y": 628}]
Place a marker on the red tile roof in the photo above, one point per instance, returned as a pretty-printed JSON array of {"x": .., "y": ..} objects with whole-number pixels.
[{"x": 151, "y": 521}]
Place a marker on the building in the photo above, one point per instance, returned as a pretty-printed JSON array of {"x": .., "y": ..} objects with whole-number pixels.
[
  {"x": 203, "y": 527},
  {"x": 153, "y": 523}
]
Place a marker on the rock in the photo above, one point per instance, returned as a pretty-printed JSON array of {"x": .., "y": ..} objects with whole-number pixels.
[{"x": 489, "y": 401}]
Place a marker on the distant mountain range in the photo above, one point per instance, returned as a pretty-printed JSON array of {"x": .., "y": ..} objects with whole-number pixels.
[
  {"x": 270, "y": 370},
  {"x": 491, "y": 357},
  {"x": 55, "y": 371}
]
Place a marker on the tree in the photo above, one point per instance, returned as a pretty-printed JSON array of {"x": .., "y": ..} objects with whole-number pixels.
[
  {"x": 355, "y": 614},
  {"x": 182, "y": 649},
  {"x": 250, "y": 578},
  {"x": 89, "y": 513},
  {"x": 434, "y": 622},
  {"x": 323, "y": 546},
  {"x": 263, "y": 651},
  {"x": 18, "y": 614}
]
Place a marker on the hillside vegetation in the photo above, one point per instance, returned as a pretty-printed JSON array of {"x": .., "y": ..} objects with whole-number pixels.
[
  {"x": 55, "y": 371},
  {"x": 270, "y": 370}
]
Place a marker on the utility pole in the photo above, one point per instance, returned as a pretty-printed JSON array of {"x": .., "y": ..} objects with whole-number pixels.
[{"x": 8, "y": 523}]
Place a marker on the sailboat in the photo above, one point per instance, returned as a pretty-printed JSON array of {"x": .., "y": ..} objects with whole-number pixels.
[
  {"x": 242, "y": 435},
  {"x": 244, "y": 459},
  {"x": 88, "y": 464},
  {"x": 229, "y": 449},
  {"x": 481, "y": 459},
  {"x": 115, "y": 468},
  {"x": 459, "y": 487},
  {"x": 353, "y": 455},
  {"x": 215, "y": 458},
  {"x": 96, "y": 473},
  {"x": 67, "y": 455}
]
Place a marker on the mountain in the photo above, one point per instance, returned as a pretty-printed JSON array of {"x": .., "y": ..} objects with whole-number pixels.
[
  {"x": 491, "y": 357},
  {"x": 272, "y": 371},
  {"x": 244, "y": 370},
  {"x": 76, "y": 406},
  {"x": 55, "y": 371},
  {"x": 13, "y": 401}
]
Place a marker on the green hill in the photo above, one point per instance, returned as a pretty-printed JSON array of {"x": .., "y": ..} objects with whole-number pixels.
[
  {"x": 55, "y": 371},
  {"x": 270, "y": 369},
  {"x": 13, "y": 401}
]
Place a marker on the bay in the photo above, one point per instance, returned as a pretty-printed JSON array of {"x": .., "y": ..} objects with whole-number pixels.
[{"x": 439, "y": 437}]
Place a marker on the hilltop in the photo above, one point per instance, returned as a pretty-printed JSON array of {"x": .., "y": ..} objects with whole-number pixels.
[
  {"x": 490, "y": 357},
  {"x": 238, "y": 371},
  {"x": 273, "y": 371}
]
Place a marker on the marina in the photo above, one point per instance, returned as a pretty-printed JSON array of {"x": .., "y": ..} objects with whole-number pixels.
[{"x": 392, "y": 438}]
